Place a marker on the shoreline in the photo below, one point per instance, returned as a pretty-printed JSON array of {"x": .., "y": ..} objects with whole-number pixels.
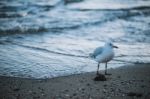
[{"x": 125, "y": 82}]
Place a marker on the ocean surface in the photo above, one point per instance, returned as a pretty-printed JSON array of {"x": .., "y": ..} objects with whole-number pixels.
[{"x": 51, "y": 38}]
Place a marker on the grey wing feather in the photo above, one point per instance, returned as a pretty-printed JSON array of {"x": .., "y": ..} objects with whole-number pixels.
[{"x": 96, "y": 52}]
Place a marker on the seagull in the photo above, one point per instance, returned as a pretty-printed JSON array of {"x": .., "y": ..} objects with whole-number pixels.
[{"x": 103, "y": 55}]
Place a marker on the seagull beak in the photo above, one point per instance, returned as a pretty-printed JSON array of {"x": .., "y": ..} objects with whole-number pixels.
[{"x": 115, "y": 46}]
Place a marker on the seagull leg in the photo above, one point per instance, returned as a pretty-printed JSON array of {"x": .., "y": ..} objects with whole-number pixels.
[
  {"x": 98, "y": 68},
  {"x": 106, "y": 69}
]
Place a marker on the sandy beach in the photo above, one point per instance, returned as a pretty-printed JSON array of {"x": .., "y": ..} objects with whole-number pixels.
[{"x": 127, "y": 82}]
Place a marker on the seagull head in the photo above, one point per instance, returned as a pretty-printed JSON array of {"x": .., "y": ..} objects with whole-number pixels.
[{"x": 110, "y": 44}]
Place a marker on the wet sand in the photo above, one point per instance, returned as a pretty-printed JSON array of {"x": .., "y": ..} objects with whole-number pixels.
[{"x": 127, "y": 82}]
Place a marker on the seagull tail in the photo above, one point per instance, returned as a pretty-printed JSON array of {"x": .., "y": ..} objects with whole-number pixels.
[{"x": 91, "y": 55}]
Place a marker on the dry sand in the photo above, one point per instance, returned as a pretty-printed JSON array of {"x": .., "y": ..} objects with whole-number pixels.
[{"x": 127, "y": 82}]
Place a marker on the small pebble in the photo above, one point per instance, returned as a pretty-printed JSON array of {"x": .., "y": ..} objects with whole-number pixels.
[
  {"x": 67, "y": 95},
  {"x": 74, "y": 94},
  {"x": 97, "y": 89},
  {"x": 132, "y": 94},
  {"x": 143, "y": 86},
  {"x": 66, "y": 90},
  {"x": 16, "y": 89},
  {"x": 104, "y": 91},
  {"x": 123, "y": 95},
  {"x": 118, "y": 76},
  {"x": 88, "y": 84}
]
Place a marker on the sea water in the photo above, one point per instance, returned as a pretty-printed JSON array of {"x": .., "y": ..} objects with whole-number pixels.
[{"x": 51, "y": 38}]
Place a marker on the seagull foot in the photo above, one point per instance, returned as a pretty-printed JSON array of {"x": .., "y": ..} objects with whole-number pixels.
[
  {"x": 100, "y": 77},
  {"x": 97, "y": 73},
  {"x": 108, "y": 74}
]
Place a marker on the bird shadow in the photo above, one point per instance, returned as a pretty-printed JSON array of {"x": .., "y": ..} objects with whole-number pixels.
[{"x": 100, "y": 77}]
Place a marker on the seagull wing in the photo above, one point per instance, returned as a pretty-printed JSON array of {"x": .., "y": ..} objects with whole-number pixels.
[{"x": 96, "y": 52}]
